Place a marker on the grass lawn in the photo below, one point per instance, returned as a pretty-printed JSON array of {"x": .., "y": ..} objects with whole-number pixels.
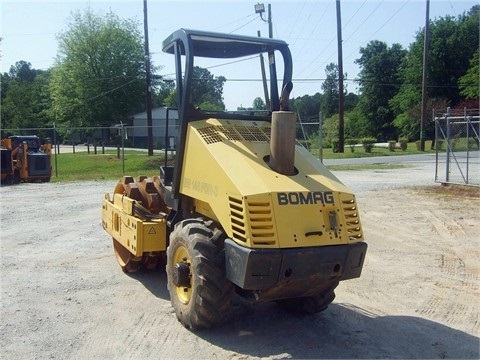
[{"x": 83, "y": 166}]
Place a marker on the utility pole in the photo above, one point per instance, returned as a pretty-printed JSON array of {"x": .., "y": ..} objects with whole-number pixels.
[
  {"x": 264, "y": 79},
  {"x": 425, "y": 76},
  {"x": 341, "y": 124},
  {"x": 148, "y": 83},
  {"x": 275, "y": 103},
  {"x": 270, "y": 26}
]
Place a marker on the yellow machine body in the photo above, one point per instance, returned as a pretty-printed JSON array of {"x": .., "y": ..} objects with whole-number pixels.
[
  {"x": 135, "y": 234},
  {"x": 228, "y": 179},
  {"x": 227, "y": 174},
  {"x": 244, "y": 209},
  {"x": 25, "y": 159}
]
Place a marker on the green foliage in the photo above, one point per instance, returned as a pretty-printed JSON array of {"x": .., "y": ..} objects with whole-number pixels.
[
  {"x": 99, "y": 75},
  {"x": 331, "y": 91},
  {"x": 378, "y": 77},
  {"x": 25, "y": 97},
  {"x": 161, "y": 92},
  {"x": 307, "y": 105},
  {"x": 330, "y": 131},
  {"x": 453, "y": 43},
  {"x": 408, "y": 122},
  {"x": 391, "y": 145},
  {"x": 259, "y": 104},
  {"x": 403, "y": 143},
  {"x": 335, "y": 148},
  {"x": 353, "y": 127},
  {"x": 351, "y": 143},
  {"x": 368, "y": 143},
  {"x": 207, "y": 90},
  {"x": 469, "y": 83}
]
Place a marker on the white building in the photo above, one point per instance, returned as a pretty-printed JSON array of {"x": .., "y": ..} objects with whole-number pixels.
[{"x": 137, "y": 133}]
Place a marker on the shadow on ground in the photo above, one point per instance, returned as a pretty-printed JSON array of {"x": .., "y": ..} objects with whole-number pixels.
[{"x": 342, "y": 331}]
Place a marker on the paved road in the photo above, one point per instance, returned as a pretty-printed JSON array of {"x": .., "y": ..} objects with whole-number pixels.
[{"x": 394, "y": 159}]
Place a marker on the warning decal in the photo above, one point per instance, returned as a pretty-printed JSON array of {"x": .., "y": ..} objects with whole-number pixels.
[{"x": 152, "y": 230}]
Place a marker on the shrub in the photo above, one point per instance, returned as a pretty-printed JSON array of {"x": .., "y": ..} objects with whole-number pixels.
[
  {"x": 472, "y": 144},
  {"x": 403, "y": 143},
  {"x": 335, "y": 145},
  {"x": 368, "y": 143},
  {"x": 391, "y": 145},
  {"x": 439, "y": 145},
  {"x": 351, "y": 143}
]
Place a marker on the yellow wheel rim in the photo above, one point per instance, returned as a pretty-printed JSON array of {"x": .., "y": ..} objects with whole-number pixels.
[{"x": 184, "y": 294}]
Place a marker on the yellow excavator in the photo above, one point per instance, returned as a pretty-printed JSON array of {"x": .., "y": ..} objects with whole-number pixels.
[{"x": 245, "y": 209}]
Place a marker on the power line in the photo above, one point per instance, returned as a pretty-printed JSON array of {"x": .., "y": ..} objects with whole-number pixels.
[
  {"x": 233, "y": 22},
  {"x": 381, "y": 27},
  {"x": 451, "y": 5},
  {"x": 243, "y": 25},
  {"x": 356, "y": 12},
  {"x": 110, "y": 91},
  {"x": 354, "y": 32},
  {"x": 296, "y": 20}
]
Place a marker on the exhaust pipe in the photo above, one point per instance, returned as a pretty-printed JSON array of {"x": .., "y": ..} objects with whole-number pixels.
[{"x": 282, "y": 142}]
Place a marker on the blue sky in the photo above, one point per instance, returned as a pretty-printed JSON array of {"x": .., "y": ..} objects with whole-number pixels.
[{"x": 29, "y": 29}]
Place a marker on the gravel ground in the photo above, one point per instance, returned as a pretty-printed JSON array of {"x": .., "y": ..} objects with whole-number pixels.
[{"x": 64, "y": 296}]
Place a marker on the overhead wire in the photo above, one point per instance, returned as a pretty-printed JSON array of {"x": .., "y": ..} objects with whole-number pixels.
[
  {"x": 243, "y": 25},
  {"x": 380, "y": 28},
  {"x": 334, "y": 38},
  {"x": 376, "y": 31},
  {"x": 112, "y": 90},
  {"x": 294, "y": 25},
  {"x": 451, "y": 5},
  {"x": 234, "y": 22}
]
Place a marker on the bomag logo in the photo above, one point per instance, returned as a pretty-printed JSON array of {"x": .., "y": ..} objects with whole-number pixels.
[{"x": 305, "y": 198}]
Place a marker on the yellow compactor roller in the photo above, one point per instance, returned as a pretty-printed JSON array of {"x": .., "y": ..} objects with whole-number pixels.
[{"x": 244, "y": 209}]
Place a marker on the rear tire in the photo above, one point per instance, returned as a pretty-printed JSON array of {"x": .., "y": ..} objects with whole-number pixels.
[
  {"x": 199, "y": 291},
  {"x": 309, "y": 304}
]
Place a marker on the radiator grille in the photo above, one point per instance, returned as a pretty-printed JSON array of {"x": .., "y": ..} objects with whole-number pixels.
[
  {"x": 251, "y": 133},
  {"x": 218, "y": 133},
  {"x": 261, "y": 222},
  {"x": 237, "y": 218},
  {"x": 252, "y": 219},
  {"x": 210, "y": 134},
  {"x": 352, "y": 218}
]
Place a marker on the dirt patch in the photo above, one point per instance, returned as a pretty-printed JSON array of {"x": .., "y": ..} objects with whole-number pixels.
[
  {"x": 455, "y": 191},
  {"x": 64, "y": 296}
]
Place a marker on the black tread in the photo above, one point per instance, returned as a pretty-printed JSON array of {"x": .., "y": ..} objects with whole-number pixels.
[{"x": 212, "y": 295}]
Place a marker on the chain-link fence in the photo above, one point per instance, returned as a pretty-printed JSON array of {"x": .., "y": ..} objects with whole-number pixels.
[
  {"x": 114, "y": 140},
  {"x": 457, "y": 146}
]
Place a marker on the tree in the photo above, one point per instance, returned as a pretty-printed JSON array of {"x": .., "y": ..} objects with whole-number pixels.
[
  {"x": 161, "y": 93},
  {"x": 469, "y": 84},
  {"x": 259, "y": 104},
  {"x": 379, "y": 82},
  {"x": 207, "y": 91},
  {"x": 99, "y": 74},
  {"x": 307, "y": 106},
  {"x": 450, "y": 54},
  {"x": 25, "y": 97},
  {"x": 330, "y": 91},
  {"x": 453, "y": 43}
]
